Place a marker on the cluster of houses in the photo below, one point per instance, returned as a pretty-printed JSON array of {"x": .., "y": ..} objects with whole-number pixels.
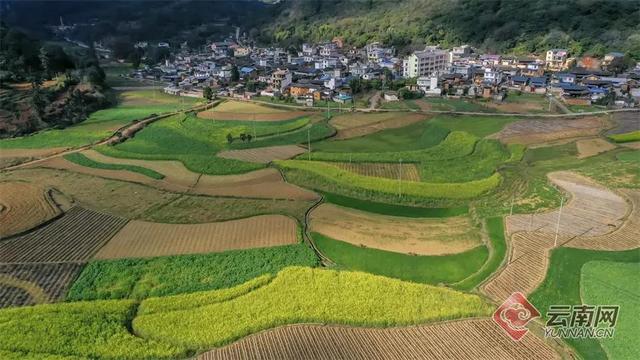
[{"x": 322, "y": 72}]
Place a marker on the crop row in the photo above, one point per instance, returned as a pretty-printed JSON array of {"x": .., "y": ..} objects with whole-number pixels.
[
  {"x": 82, "y": 160},
  {"x": 464, "y": 190}
]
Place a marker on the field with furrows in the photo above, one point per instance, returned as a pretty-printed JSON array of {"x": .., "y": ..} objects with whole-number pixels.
[
  {"x": 590, "y": 147},
  {"x": 408, "y": 172},
  {"x": 263, "y": 155},
  {"x": 482, "y": 339},
  {"x": 547, "y": 130},
  {"x": 28, "y": 284},
  {"x": 146, "y": 239},
  {"x": 591, "y": 210},
  {"x": 23, "y": 206},
  {"x": 75, "y": 236}
]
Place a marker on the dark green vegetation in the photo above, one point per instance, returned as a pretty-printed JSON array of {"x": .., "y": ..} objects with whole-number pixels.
[
  {"x": 392, "y": 209},
  {"x": 421, "y": 135},
  {"x": 417, "y": 268},
  {"x": 81, "y": 159},
  {"x": 161, "y": 276},
  {"x": 562, "y": 286},
  {"x": 605, "y": 282},
  {"x": 495, "y": 228},
  {"x": 185, "y": 138}
]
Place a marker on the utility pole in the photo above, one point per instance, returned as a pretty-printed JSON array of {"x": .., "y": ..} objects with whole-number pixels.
[
  {"x": 254, "y": 126},
  {"x": 555, "y": 242},
  {"x": 328, "y": 114},
  {"x": 400, "y": 179},
  {"x": 511, "y": 209}
]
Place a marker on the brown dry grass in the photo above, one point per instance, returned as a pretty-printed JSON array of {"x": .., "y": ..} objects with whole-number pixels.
[
  {"x": 262, "y": 184},
  {"x": 592, "y": 210},
  {"x": 591, "y": 147},
  {"x": 11, "y": 157},
  {"x": 409, "y": 172},
  {"x": 404, "y": 235},
  {"x": 263, "y": 155},
  {"x": 24, "y": 206},
  {"x": 243, "y": 107},
  {"x": 145, "y": 239},
  {"x": 632, "y": 145},
  {"x": 516, "y": 107},
  {"x": 360, "y": 124},
  {"x": 547, "y": 130},
  {"x": 462, "y": 339},
  {"x": 245, "y": 111}
]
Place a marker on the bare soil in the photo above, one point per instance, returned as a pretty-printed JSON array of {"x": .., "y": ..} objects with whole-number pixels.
[
  {"x": 364, "y": 124},
  {"x": 404, "y": 235},
  {"x": 462, "y": 339},
  {"x": 532, "y": 131},
  {"x": 263, "y": 155},
  {"x": 592, "y": 147}
]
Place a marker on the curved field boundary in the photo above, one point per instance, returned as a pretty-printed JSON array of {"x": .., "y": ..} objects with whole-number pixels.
[
  {"x": 625, "y": 237},
  {"x": 462, "y": 339},
  {"x": 438, "y": 236},
  {"x": 408, "y": 172},
  {"x": 146, "y": 239},
  {"x": 334, "y": 174},
  {"x": 9, "y": 157},
  {"x": 75, "y": 236},
  {"x": 82, "y": 160},
  {"x": 591, "y": 147},
  {"x": 262, "y": 184},
  {"x": 389, "y": 121},
  {"x": 592, "y": 210},
  {"x": 27, "y": 284},
  {"x": 263, "y": 155},
  {"x": 279, "y": 115},
  {"x": 24, "y": 206},
  {"x": 536, "y": 131}
]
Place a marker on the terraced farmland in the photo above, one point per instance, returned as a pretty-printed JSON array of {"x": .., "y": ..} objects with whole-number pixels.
[
  {"x": 408, "y": 172},
  {"x": 75, "y": 236},
  {"x": 234, "y": 110},
  {"x": 542, "y": 131},
  {"x": 263, "y": 155},
  {"x": 23, "y": 206},
  {"x": 28, "y": 284},
  {"x": 482, "y": 339},
  {"x": 145, "y": 239},
  {"x": 356, "y": 125}
]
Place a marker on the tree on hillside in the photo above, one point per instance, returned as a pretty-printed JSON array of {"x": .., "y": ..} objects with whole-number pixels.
[
  {"x": 207, "y": 93},
  {"x": 235, "y": 74}
]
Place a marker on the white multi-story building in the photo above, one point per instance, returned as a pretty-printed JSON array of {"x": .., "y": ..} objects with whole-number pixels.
[
  {"x": 280, "y": 79},
  {"x": 557, "y": 59},
  {"x": 425, "y": 63}
]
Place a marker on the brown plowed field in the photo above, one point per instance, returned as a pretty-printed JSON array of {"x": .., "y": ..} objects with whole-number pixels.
[
  {"x": 263, "y": 155},
  {"x": 145, "y": 239},
  {"x": 541, "y": 131},
  {"x": 24, "y": 206},
  {"x": 591, "y": 147},
  {"x": 436, "y": 236},
  {"x": 263, "y": 184},
  {"x": 409, "y": 172},
  {"x": 9, "y": 157},
  {"x": 360, "y": 124},
  {"x": 76, "y": 236},
  {"x": 237, "y": 110},
  {"x": 526, "y": 265},
  {"x": 625, "y": 238},
  {"x": 463, "y": 339},
  {"x": 27, "y": 284},
  {"x": 592, "y": 210}
]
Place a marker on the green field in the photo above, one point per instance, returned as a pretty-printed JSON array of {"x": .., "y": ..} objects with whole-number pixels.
[
  {"x": 133, "y": 105},
  {"x": 417, "y": 268},
  {"x": 479, "y": 126},
  {"x": 606, "y": 282},
  {"x": 82, "y": 160},
  {"x": 626, "y": 137},
  {"x": 393, "y": 209},
  {"x": 313, "y": 133},
  {"x": 161, "y": 276},
  {"x": 418, "y": 136},
  {"x": 495, "y": 229},
  {"x": 309, "y": 296},
  {"x": 562, "y": 286}
]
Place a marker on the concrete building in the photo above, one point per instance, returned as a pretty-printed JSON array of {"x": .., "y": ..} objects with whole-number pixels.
[
  {"x": 557, "y": 59},
  {"x": 280, "y": 79},
  {"x": 424, "y": 63}
]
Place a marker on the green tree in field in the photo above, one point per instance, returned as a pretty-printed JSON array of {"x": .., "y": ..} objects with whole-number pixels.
[
  {"x": 207, "y": 93},
  {"x": 229, "y": 138},
  {"x": 235, "y": 74}
]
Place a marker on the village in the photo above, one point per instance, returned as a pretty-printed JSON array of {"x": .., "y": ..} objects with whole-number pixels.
[{"x": 375, "y": 75}]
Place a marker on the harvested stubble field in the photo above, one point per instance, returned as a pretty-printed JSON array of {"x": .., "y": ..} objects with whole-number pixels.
[
  {"x": 408, "y": 172},
  {"x": 625, "y": 123},
  {"x": 24, "y": 206},
  {"x": 482, "y": 339},
  {"x": 141, "y": 202},
  {"x": 263, "y": 184},
  {"x": 9, "y": 157},
  {"x": 244, "y": 111},
  {"x": 592, "y": 210},
  {"x": 145, "y": 239},
  {"x": 76, "y": 236},
  {"x": 359, "y": 124},
  {"x": 263, "y": 155},
  {"x": 592, "y": 147},
  {"x": 426, "y": 236},
  {"x": 542, "y": 131},
  {"x": 28, "y": 284}
]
